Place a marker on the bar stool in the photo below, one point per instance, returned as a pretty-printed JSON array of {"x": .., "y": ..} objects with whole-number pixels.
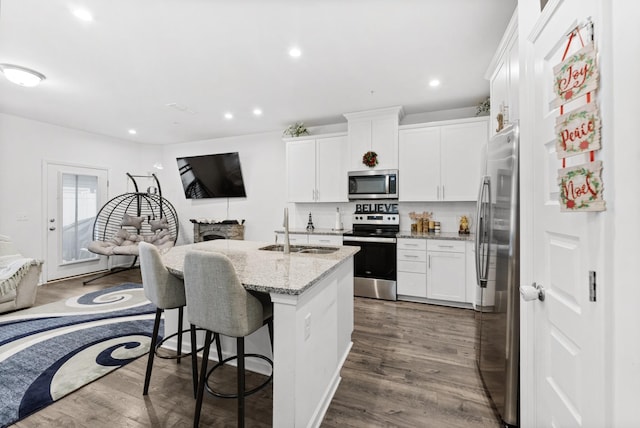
[
  {"x": 165, "y": 291},
  {"x": 219, "y": 303}
]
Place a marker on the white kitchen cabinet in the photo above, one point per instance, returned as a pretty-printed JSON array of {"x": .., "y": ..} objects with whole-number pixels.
[
  {"x": 316, "y": 239},
  {"x": 316, "y": 169},
  {"x": 446, "y": 271},
  {"x": 310, "y": 239},
  {"x": 503, "y": 75},
  {"x": 375, "y": 130},
  {"x": 412, "y": 268},
  {"x": 441, "y": 161}
]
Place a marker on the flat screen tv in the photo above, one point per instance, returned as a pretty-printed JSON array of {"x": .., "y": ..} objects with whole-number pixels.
[{"x": 211, "y": 176}]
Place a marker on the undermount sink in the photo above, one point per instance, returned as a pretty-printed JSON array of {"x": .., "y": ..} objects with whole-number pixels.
[{"x": 302, "y": 249}]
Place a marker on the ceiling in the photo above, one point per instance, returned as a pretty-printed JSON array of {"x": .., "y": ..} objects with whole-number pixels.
[{"x": 171, "y": 69}]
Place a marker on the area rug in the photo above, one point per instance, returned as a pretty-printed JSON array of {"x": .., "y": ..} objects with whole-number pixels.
[{"x": 49, "y": 351}]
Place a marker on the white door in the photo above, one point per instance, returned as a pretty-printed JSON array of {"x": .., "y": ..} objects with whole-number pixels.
[
  {"x": 74, "y": 197},
  {"x": 566, "y": 353}
]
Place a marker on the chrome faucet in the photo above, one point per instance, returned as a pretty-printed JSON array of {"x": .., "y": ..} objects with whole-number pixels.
[{"x": 285, "y": 224}]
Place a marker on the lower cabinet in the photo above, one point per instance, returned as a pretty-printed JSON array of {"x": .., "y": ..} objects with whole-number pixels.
[
  {"x": 433, "y": 271},
  {"x": 412, "y": 267},
  {"x": 310, "y": 238},
  {"x": 446, "y": 271}
]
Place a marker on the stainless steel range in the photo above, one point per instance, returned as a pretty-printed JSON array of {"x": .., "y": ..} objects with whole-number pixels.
[{"x": 374, "y": 230}]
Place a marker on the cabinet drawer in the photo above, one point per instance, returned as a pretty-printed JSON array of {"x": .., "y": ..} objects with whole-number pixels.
[
  {"x": 412, "y": 256},
  {"x": 297, "y": 238},
  {"x": 412, "y": 244},
  {"x": 325, "y": 239},
  {"x": 415, "y": 267},
  {"x": 412, "y": 284},
  {"x": 446, "y": 245}
]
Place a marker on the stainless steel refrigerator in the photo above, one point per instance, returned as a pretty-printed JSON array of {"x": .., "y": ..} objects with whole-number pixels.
[{"x": 498, "y": 274}]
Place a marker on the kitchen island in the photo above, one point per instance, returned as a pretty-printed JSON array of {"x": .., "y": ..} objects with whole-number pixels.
[{"x": 312, "y": 297}]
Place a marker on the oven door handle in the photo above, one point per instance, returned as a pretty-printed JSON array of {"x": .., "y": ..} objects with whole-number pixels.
[{"x": 368, "y": 239}]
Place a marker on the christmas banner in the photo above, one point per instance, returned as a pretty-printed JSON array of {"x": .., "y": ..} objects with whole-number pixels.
[
  {"x": 581, "y": 188},
  {"x": 578, "y": 131},
  {"x": 575, "y": 76}
]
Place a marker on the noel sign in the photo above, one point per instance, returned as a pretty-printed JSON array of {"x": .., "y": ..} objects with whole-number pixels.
[
  {"x": 581, "y": 188},
  {"x": 578, "y": 131},
  {"x": 575, "y": 76}
]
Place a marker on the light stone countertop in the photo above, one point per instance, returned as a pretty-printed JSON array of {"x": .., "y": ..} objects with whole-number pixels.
[
  {"x": 266, "y": 271},
  {"x": 316, "y": 231},
  {"x": 453, "y": 236}
]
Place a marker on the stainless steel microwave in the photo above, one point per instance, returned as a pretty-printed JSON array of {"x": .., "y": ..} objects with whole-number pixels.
[{"x": 373, "y": 184}]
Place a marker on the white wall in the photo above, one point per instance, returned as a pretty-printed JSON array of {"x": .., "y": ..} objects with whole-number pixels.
[
  {"x": 25, "y": 145},
  {"x": 262, "y": 159}
]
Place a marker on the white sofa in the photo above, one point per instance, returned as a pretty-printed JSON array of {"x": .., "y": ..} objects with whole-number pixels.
[{"x": 18, "y": 277}]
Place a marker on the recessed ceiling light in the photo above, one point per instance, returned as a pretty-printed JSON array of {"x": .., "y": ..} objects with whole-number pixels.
[
  {"x": 257, "y": 112},
  {"x": 434, "y": 83},
  {"x": 295, "y": 52},
  {"x": 83, "y": 15},
  {"x": 133, "y": 132},
  {"x": 21, "y": 75},
  {"x": 228, "y": 116}
]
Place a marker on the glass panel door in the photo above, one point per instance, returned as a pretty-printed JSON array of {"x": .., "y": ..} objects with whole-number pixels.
[{"x": 79, "y": 209}]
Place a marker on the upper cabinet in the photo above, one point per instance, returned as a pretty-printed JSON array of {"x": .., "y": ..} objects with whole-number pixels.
[
  {"x": 377, "y": 131},
  {"x": 503, "y": 76},
  {"x": 441, "y": 161},
  {"x": 316, "y": 169}
]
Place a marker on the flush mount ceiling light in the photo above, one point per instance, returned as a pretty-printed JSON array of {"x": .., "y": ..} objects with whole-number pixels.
[
  {"x": 83, "y": 15},
  {"x": 21, "y": 75},
  {"x": 295, "y": 52},
  {"x": 228, "y": 116},
  {"x": 257, "y": 112},
  {"x": 434, "y": 83},
  {"x": 133, "y": 132}
]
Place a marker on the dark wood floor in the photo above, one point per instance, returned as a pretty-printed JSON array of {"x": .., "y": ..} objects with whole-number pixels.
[{"x": 412, "y": 365}]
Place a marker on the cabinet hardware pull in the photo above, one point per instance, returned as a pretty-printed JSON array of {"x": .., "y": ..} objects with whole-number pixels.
[
  {"x": 445, "y": 246},
  {"x": 429, "y": 262},
  {"x": 443, "y": 193},
  {"x": 411, "y": 256}
]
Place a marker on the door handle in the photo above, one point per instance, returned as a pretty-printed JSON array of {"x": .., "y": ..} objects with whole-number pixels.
[
  {"x": 532, "y": 292},
  {"x": 52, "y": 228}
]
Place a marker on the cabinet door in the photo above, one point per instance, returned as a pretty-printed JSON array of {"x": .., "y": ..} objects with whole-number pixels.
[
  {"x": 412, "y": 284},
  {"x": 359, "y": 142},
  {"x": 331, "y": 177},
  {"x": 446, "y": 276},
  {"x": 461, "y": 147},
  {"x": 301, "y": 171},
  {"x": 384, "y": 141},
  {"x": 325, "y": 239},
  {"x": 419, "y": 165}
]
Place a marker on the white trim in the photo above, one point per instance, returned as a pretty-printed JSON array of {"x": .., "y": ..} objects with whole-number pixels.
[
  {"x": 510, "y": 33},
  {"x": 444, "y": 122}
]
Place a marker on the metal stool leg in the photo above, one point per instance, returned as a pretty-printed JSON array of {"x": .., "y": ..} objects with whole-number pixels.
[
  {"x": 194, "y": 360},
  {"x": 180, "y": 318},
  {"x": 203, "y": 379},
  {"x": 240, "y": 345},
  {"x": 216, "y": 337},
  {"x": 152, "y": 351}
]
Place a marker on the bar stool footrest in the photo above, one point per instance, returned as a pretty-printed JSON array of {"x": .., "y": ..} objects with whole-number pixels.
[
  {"x": 246, "y": 392},
  {"x": 175, "y": 356}
]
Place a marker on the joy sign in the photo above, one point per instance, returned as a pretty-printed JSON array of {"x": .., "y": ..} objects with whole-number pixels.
[
  {"x": 575, "y": 76},
  {"x": 581, "y": 188}
]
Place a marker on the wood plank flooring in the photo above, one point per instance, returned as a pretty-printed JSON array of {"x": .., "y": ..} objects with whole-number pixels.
[{"x": 411, "y": 365}]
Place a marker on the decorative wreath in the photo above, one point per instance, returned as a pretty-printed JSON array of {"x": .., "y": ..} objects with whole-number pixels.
[{"x": 370, "y": 159}]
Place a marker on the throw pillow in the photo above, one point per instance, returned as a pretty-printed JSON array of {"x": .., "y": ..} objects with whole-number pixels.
[
  {"x": 161, "y": 223},
  {"x": 129, "y": 220}
]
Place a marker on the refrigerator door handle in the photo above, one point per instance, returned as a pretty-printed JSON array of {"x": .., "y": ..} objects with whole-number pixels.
[{"x": 482, "y": 217}]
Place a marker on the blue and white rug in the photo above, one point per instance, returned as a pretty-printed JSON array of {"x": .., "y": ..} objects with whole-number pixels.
[{"x": 49, "y": 351}]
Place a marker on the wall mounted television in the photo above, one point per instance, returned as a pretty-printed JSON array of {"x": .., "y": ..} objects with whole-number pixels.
[{"x": 211, "y": 176}]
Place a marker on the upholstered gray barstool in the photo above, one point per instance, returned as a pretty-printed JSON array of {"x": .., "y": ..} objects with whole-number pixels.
[
  {"x": 218, "y": 302},
  {"x": 166, "y": 292}
]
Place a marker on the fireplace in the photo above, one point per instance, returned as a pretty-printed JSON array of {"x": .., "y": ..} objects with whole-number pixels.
[{"x": 204, "y": 230}]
